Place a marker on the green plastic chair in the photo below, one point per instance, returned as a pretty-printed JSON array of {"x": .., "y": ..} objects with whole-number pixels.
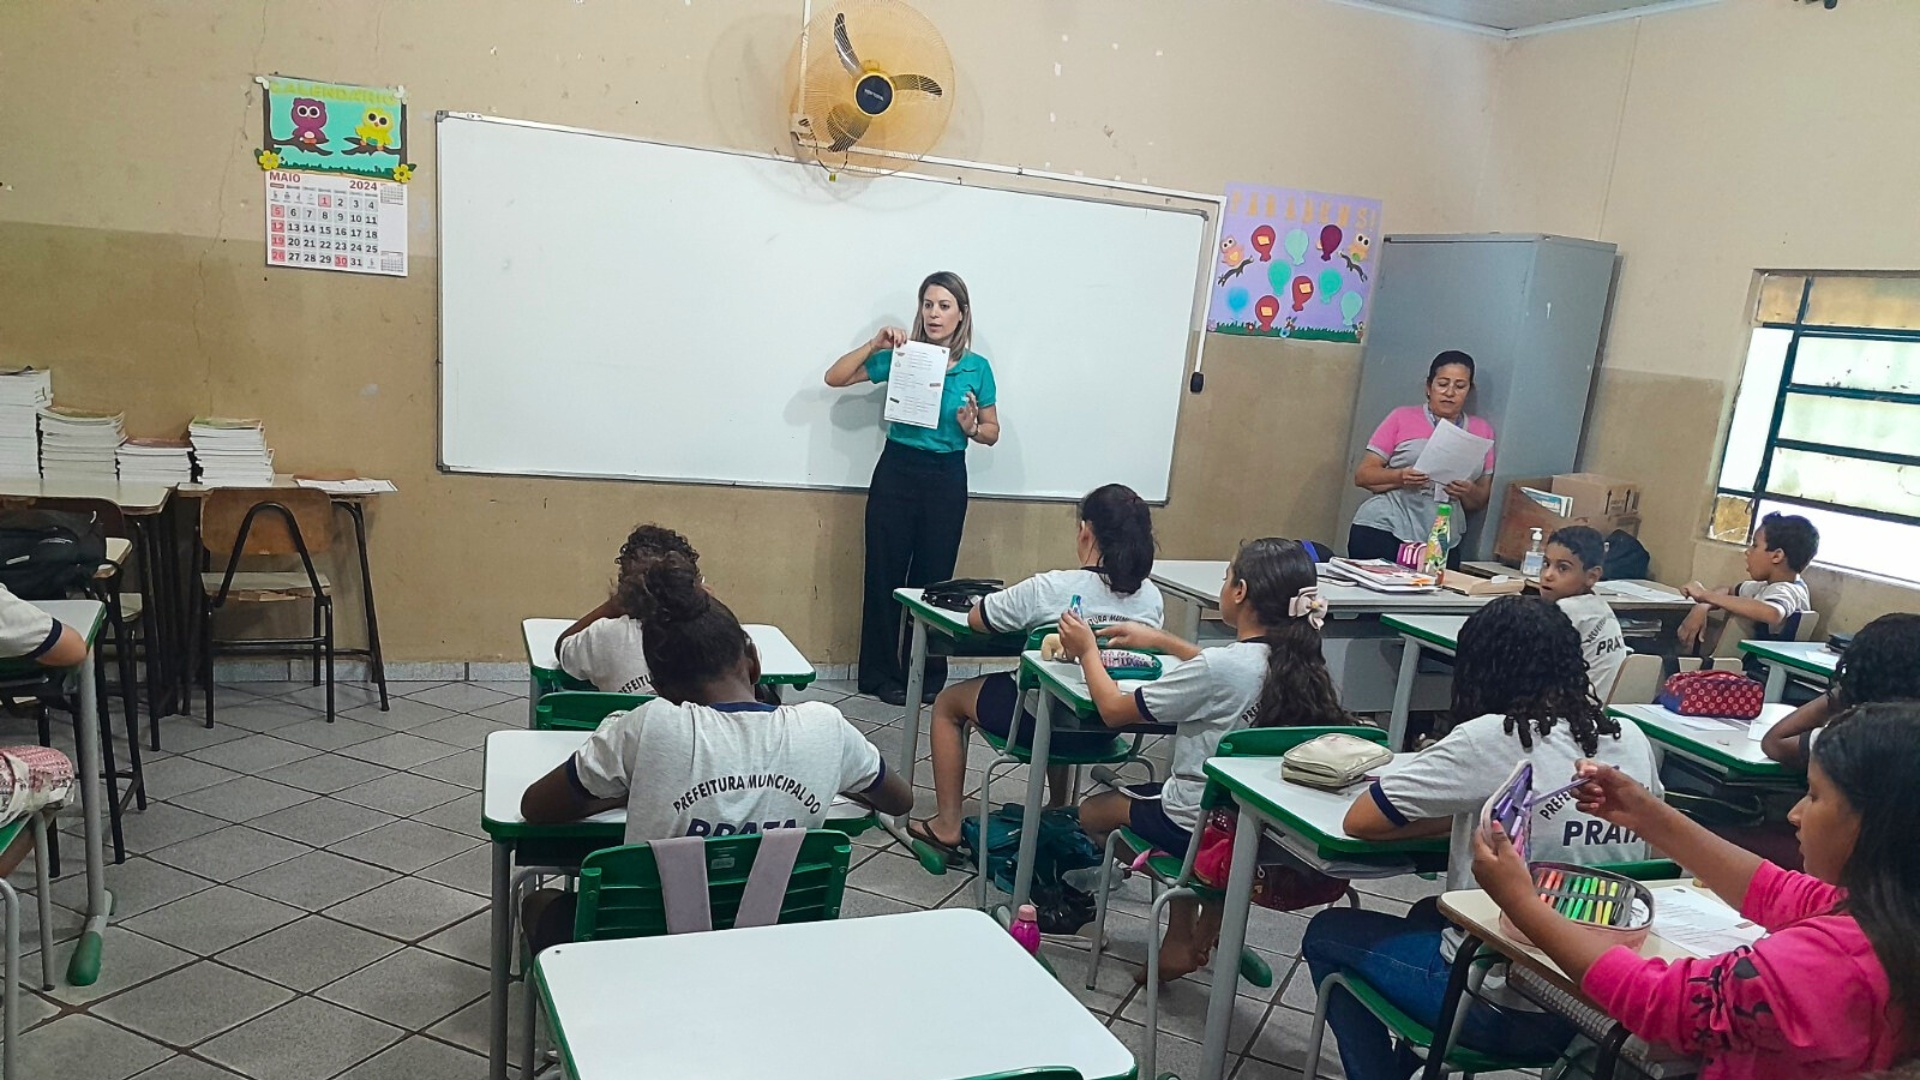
[
  {"x": 581, "y": 710},
  {"x": 41, "y": 823},
  {"x": 620, "y": 895},
  {"x": 1177, "y": 874},
  {"x": 1050, "y": 1072}
]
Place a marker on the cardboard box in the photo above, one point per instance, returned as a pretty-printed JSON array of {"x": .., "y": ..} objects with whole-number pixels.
[
  {"x": 1520, "y": 515},
  {"x": 1596, "y": 496}
]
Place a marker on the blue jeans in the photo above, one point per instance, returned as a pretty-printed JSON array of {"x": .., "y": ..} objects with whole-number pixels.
[{"x": 1400, "y": 957}]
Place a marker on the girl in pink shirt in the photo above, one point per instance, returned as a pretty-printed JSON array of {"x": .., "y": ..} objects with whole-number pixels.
[{"x": 1833, "y": 989}]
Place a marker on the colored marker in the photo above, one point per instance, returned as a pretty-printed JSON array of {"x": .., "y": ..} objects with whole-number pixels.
[{"x": 1074, "y": 606}]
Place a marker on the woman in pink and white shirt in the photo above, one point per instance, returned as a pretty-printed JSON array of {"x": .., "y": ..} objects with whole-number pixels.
[
  {"x": 1404, "y": 502},
  {"x": 1833, "y": 989}
]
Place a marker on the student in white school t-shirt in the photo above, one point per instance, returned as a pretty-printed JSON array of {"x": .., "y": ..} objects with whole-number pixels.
[
  {"x": 603, "y": 646},
  {"x": 705, "y": 758},
  {"x": 1521, "y": 680},
  {"x": 1272, "y": 675},
  {"x": 1115, "y": 548},
  {"x": 1573, "y": 567},
  {"x": 1772, "y": 597},
  {"x": 27, "y": 632}
]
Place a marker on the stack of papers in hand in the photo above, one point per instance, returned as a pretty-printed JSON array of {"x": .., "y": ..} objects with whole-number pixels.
[
  {"x": 80, "y": 445},
  {"x": 1380, "y": 575},
  {"x": 159, "y": 461},
  {"x": 231, "y": 453},
  {"x": 23, "y": 393}
]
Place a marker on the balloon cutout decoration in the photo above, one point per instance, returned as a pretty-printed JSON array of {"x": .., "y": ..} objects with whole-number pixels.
[
  {"x": 1267, "y": 310},
  {"x": 1329, "y": 242},
  {"x": 1330, "y": 285},
  {"x": 1285, "y": 228},
  {"x": 1297, "y": 246},
  {"x": 1263, "y": 238}
]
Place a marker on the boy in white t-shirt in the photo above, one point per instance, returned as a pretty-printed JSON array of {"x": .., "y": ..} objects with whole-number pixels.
[
  {"x": 1115, "y": 547},
  {"x": 1573, "y": 566},
  {"x": 1772, "y": 597},
  {"x": 603, "y": 646},
  {"x": 1521, "y": 679},
  {"x": 706, "y": 759},
  {"x": 27, "y": 632}
]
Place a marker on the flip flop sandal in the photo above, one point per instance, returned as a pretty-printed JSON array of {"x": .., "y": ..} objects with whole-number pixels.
[{"x": 949, "y": 855}]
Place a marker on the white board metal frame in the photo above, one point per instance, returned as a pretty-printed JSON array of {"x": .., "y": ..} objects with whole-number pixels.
[{"x": 1210, "y": 207}]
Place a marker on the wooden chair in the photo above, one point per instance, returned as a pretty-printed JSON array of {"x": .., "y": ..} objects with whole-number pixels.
[{"x": 284, "y": 523}]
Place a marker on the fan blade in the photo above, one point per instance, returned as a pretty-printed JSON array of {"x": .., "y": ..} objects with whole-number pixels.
[
  {"x": 844, "y": 45},
  {"x": 917, "y": 84},
  {"x": 845, "y": 125}
]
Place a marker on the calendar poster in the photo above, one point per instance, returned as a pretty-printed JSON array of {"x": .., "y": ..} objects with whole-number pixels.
[
  {"x": 1294, "y": 264},
  {"x": 316, "y": 126},
  {"x": 318, "y": 221}
]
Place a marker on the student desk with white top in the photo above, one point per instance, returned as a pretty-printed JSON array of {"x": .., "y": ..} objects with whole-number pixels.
[
  {"x": 86, "y": 617},
  {"x": 780, "y": 661},
  {"x": 513, "y": 761},
  {"x": 925, "y": 619},
  {"x": 1309, "y": 822},
  {"x": 1729, "y": 747},
  {"x": 1440, "y": 633},
  {"x": 945, "y": 986},
  {"x": 1539, "y": 978},
  {"x": 1362, "y": 655},
  {"x": 1809, "y": 660}
]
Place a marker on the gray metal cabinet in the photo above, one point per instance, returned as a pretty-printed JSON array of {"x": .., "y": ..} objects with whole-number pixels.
[{"x": 1529, "y": 308}]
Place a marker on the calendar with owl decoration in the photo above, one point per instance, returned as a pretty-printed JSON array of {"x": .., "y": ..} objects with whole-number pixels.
[
  {"x": 334, "y": 128},
  {"x": 1294, "y": 264}
]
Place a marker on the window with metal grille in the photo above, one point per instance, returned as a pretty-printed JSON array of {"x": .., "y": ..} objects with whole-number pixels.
[{"x": 1827, "y": 419}]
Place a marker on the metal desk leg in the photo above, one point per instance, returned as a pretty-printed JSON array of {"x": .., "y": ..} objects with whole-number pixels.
[
  {"x": 1233, "y": 939},
  {"x": 1036, "y": 787},
  {"x": 502, "y": 959},
  {"x": 376, "y": 661},
  {"x": 84, "y": 968},
  {"x": 1776, "y": 681},
  {"x": 1403, "y": 694},
  {"x": 1450, "y": 1005},
  {"x": 910, "y": 736}
]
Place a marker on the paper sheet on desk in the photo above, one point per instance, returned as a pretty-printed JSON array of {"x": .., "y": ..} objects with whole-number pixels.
[
  {"x": 1452, "y": 453},
  {"x": 914, "y": 383},
  {"x": 1633, "y": 590},
  {"x": 348, "y": 487},
  {"x": 1700, "y": 922}
]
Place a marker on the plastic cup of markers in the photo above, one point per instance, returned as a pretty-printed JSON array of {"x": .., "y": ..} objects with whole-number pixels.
[{"x": 1616, "y": 909}]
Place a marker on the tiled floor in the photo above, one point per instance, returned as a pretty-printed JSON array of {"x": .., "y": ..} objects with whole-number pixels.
[{"x": 303, "y": 901}]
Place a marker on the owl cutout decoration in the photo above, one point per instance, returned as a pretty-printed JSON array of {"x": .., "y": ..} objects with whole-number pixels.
[{"x": 333, "y": 128}]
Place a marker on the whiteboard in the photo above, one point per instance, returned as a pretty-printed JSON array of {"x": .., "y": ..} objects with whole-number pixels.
[{"x": 611, "y": 307}]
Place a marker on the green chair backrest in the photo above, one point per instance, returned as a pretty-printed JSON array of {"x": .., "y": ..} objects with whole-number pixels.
[
  {"x": 1645, "y": 869},
  {"x": 581, "y": 710},
  {"x": 1045, "y": 1072},
  {"x": 620, "y": 894}
]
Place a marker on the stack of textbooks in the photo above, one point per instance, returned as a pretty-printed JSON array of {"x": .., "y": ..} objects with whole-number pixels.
[
  {"x": 80, "y": 445},
  {"x": 159, "y": 461},
  {"x": 231, "y": 453},
  {"x": 23, "y": 393}
]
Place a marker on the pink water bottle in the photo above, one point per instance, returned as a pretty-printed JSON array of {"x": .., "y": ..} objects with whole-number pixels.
[{"x": 1026, "y": 930}]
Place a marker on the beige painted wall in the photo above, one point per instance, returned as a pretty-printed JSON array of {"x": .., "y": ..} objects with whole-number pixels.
[
  {"x": 1706, "y": 143},
  {"x": 131, "y": 259},
  {"x": 1709, "y": 143}
]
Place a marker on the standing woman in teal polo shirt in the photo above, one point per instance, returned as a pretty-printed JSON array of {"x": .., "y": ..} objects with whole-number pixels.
[{"x": 917, "y": 500}]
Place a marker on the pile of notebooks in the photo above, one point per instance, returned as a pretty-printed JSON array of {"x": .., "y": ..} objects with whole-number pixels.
[
  {"x": 159, "y": 461},
  {"x": 231, "y": 453},
  {"x": 79, "y": 445},
  {"x": 23, "y": 393}
]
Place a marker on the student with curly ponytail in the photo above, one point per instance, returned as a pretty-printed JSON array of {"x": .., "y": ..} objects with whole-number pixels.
[
  {"x": 1520, "y": 693},
  {"x": 1882, "y": 664},
  {"x": 1115, "y": 547},
  {"x": 705, "y": 758},
  {"x": 1271, "y": 675},
  {"x": 1834, "y": 987}
]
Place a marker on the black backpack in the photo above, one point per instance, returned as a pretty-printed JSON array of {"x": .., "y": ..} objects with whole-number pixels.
[
  {"x": 1626, "y": 559},
  {"x": 47, "y": 554}
]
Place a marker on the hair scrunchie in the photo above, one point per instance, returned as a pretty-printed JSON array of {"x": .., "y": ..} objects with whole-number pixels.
[{"x": 1309, "y": 605}]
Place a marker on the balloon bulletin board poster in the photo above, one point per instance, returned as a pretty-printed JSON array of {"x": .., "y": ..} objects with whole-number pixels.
[{"x": 1294, "y": 264}]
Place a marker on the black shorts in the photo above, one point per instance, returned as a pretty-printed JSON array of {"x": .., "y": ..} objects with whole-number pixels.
[
  {"x": 1000, "y": 696},
  {"x": 1149, "y": 821}
]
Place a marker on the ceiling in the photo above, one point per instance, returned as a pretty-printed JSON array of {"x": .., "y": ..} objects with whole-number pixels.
[{"x": 1509, "y": 16}]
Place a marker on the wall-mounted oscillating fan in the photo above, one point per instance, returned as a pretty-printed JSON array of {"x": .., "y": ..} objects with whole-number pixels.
[{"x": 871, "y": 86}]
